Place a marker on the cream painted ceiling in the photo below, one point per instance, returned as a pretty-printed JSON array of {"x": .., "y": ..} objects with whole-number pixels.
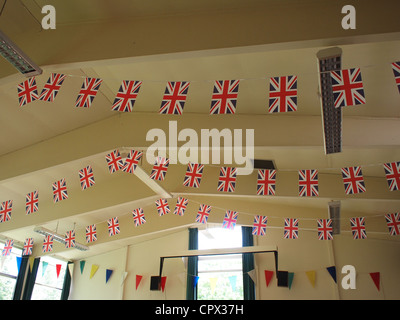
[{"x": 43, "y": 142}]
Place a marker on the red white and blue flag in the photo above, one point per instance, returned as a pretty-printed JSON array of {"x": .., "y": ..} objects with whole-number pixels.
[
  {"x": 162, "y": 207},
  {"x": 5, "y": 210},
  {"x": 283, "y": 94},
  {"x": 159, "y": 169},
  {"x": 392, "y": 171},
  {"x": 174, "y": 97},
  {"x": 91, "y": 233},
  {"x": 353, "y": 180},
  {"x": 86, "y": 177},
  {"x": 393, "y": 223},
  {"x": 131, "y": 162},
  {"x": 60, "y": 190},
  {"x": 114, "y": 161},
  {"x": 138, "y": 217},
  {"x": 88, "y": 92},
  {"x": 325, "y": 230},
  {"x": 52, "y": 87},
  {"x": 203, "y": 213},
  {"x": 291, "y": 228},
  {"x": 180, "y": 206},
  {"x": 113, "y": 226},
  {"x": 70, "y": 239},
  {"x": 47, "y": 244},
  {"x": 396, "y": 71},
  {"x": 358, "y": 228},
  {"x": 27, "y": 91},
  {"x": 126, "y": 96},
  {"x": 194, "y": 173},
  {"x": 32, "y": 202},
  {"x": 7, "y": 248},
  {"x": 259, "y": 225},
  {"x": 227, "y": 179},
  {"x": 347, "y": 87},
  {"x": 224, "y": 97},
  {"x": 308, "y": 183},
  {"x": 230, "y": 219},
  {"x": 28, "y": 247},
  {"x": 266, "y": 182}
]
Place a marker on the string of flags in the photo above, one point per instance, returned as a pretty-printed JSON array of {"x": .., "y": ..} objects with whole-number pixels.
[{"x": 347, "y": 87}]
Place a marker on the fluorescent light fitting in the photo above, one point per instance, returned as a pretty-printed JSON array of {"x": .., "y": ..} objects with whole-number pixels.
[
  {"x": 17, "y": 57},
  {"x": 59, "y": 238}
]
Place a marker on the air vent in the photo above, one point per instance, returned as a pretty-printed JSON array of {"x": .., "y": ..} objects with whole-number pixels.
[
  {"x": 264, "y": 164},
  {"x": 334, "y": 214}
]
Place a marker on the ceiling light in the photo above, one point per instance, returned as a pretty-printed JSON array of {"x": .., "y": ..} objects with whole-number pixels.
[
  {"x": 59, "y": 238},
  {"x": 17, "y": 58}
]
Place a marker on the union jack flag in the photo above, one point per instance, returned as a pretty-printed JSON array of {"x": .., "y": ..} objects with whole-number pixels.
[
  {"x": 28, "y": 247},
  {"x": 60, "y": 190},
  {"x": 259, "y": 225},
  {"x": 70, "y": 239},
  {"x": 396, "y": 71},
  {"x": 266, "y": 182},
  {"x": 88, "y": 92},
  {"x": 203, "y": 213},
  {"x": 91, "y": 233},
  {"x": 126, "y": 96},
  {"x": 180, "y": 206},
  {"x": 86, "y": 177},
  {"x": 358, "y": 228},
  {"x": 224, "y": 98},
  {"x": 27, "y": 91},
  {"x": 392, "y": 171},
  {"x": 5, "y": 210},
  {"x": 132, "y": 161},
  {"x": 393, "y": 223},
  {"x": 347, "y": 87},
  {"x": 32, "y": 202},
  {"x": 174, "y": 97},
  {"x": 162, "y": 207},
  {"x": 138, "y": 217},
  {"x": 194, "y": 173},
  {"x": 291, "y": 229},
  {"x": 230, "y": 219},
  {"x": 353, "y": 180},
  {"x": 7, "y": 248},
  {"x": 325, "y": 230},
  {"x": 47, "y": 244},
  {"x": 114, "y": 161},
  {"x": 308, "y": 183},
  {"x": 113, "y": 226},
  {"x": 52, "y": 86},
  {"x": 227, "y": 179},
  {"x": 283, "y": 94},
  {"x": 159, "y": 169}
]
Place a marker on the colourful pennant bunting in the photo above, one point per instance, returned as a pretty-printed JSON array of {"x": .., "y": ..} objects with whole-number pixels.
[
  {"x": 376, "y": 278},
  {"x": 332, "y": 272},
  {"x": 93, "y": 271},
  {"x": 268, "y": 276},
  {"x": 311, "y": 277},
  {"x": 138, "y": 279},
  {"x": 108, "y": 274}
]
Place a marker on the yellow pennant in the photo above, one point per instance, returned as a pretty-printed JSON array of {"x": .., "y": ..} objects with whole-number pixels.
[
  {"x": 94, "y": 269},
  {"x": 311, "y": 277}
]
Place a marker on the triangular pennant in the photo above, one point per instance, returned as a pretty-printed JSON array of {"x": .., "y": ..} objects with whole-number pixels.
[
  {"x": 138, "y": 279},
  {"x": 252, "y": 274},
  {"x": 44, "y": 267},
  {"x": 311, "y": 277},
  {"x": 195, "y": 280},
  {"x": 232, "y": 280},
  {"x": 213, "y": 283},
  {"x": 123, "y": 277},
  {"x": 283, "y": 277},
  {"x": 108, "y": 274},
  {"x": 58, "y": 269},
  {"x": 290, "y": 279},
  {"x": 376, "y": 276},
  {"x": 71, "y": 269},
  {"x": 19, "y": 259},
  {"x": 268, "y": 276},
  {"x": 163, "y": 282},
  {"x": 94, "y": 269},
  {"x": 82, "y": 265},
  {"x": 31, "y": 260},
  {"x": 332, "y": 272}
]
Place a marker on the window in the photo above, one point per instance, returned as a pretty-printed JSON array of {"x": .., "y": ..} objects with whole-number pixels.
[
  {"x": 48, "y": 285},
  {"x": 220, "y": 277},
  {"x": 8, "y": 273}
]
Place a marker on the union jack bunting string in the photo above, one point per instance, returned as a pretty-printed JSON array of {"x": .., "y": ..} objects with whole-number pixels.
[
  {"x": 230, "y": 219},
  {"x": 27, "y": 91},
  {"x": 28, "y": 247},
  {"x": 52, "y": 87},
  {"x": 283, "y": 94},
  {"x": 203, "y": 213},
  {"x": 132, "y": 161},
  {"x": 353, "y": 180},
  {"x": 308, "y": 183},
  {"x": 266, "y": 182},
  {"x": 259, "y": 225},
  {"x": 392, "y": 171},
  {"x": 291, "y": 229},
  {"x": 347, "y": 87},
  {"x": 138, "y": 217},
  {"x": 47, "y": 244},
  {"x": 162, "y": 207},
  {"x": 396, "y": 71},
  {"x": 174, "y": 97},
  {"x": 325, "y": 230},
  {"x": 88, "y": 92},
  {"x": 114, "y": 161},
  {"x": 91, "y": 233},
  {"x": 113, "y": 226},
  {"x": 5, "y": 211},
  {"x": 126, "y": 96},
  {"x": 193, "y": 175},
  {"x": 32, "y": 202},
  {"x": 358, "y": 228},
  {"x": 60, "y": 190},
  {"x": 86, "y": 177},
  {"x": 7, "y": 248},
  {"x": 180, "y": 206},
  {"x": 70, "y": 239},
  {"x": 393, "y": 223},
  {"x": 224, "y": 97},
  {"x": 159, "y": 169},
  {"x": 227, "y": 179}
]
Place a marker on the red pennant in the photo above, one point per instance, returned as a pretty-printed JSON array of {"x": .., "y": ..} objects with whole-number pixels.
[
  {"x": 138, "y": 279},
  {"x": 58, "y": 269},
  {"x": 268, "y": 276},
  {"x": 376, "y": 276},
  {"x": 163, "y": 281}
]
